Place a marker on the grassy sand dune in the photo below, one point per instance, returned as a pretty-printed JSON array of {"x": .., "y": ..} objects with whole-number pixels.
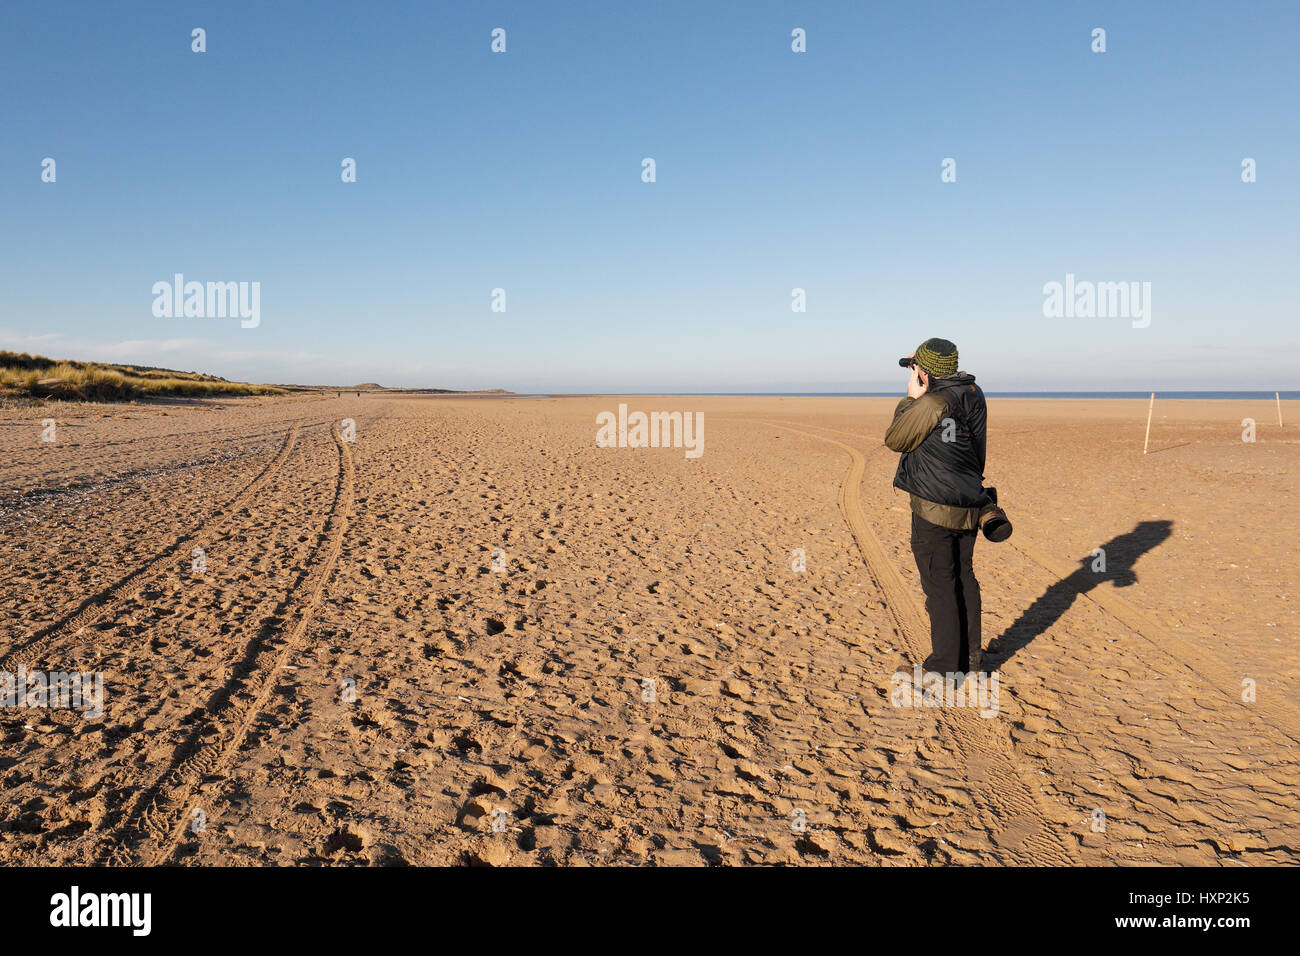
[{"x": 35, "y": 376}]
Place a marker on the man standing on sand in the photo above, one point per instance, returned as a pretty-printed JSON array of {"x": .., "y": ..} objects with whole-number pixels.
[{"x": 939, "y": 429}]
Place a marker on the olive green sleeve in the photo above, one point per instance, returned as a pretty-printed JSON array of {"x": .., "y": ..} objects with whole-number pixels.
[{"x": 914, "y": 419}]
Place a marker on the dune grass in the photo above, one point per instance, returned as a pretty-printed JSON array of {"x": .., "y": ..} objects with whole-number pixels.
[{"x": 26, "y": 375}]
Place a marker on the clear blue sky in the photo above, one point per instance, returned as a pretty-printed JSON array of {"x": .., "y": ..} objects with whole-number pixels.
[{"x": 775, "y": 170}]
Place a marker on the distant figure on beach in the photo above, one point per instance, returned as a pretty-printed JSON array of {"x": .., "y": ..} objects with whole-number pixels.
[{"x": 939, "y": 429}]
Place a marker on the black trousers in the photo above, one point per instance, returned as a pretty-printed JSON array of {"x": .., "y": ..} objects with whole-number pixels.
[{"x": 952, "y": 595}]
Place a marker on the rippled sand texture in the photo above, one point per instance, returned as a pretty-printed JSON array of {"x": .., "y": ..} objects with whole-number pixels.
[{"x": 471, "y": 635}]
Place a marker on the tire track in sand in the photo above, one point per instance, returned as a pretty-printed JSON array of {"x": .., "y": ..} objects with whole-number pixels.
[
  {"x": 1028, "y": 836},
  {"x": 157, "y": 823},
  {"x": 102, "y": 603}
]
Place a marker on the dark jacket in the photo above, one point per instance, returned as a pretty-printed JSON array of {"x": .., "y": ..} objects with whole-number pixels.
[{"x": 941, "y": 436}]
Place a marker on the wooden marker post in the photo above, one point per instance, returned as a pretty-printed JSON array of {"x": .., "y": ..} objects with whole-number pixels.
[
  {"x": 1150, "y": 409},
  {"x": 1277, "y": 397}
]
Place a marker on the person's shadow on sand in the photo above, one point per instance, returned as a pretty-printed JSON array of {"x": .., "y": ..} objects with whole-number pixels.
[{"x": 1121, "y": 553}]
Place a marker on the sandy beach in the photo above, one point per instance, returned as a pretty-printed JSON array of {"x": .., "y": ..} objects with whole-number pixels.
[{"x": 471, "y": 635}]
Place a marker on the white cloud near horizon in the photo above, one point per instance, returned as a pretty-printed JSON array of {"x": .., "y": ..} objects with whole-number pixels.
[
  {"x": 1097, "y": 369},
  {"x": 296, "y": 367}
]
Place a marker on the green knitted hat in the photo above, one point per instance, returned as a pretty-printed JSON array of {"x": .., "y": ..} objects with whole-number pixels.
[{"x": 936, "y": 357}]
